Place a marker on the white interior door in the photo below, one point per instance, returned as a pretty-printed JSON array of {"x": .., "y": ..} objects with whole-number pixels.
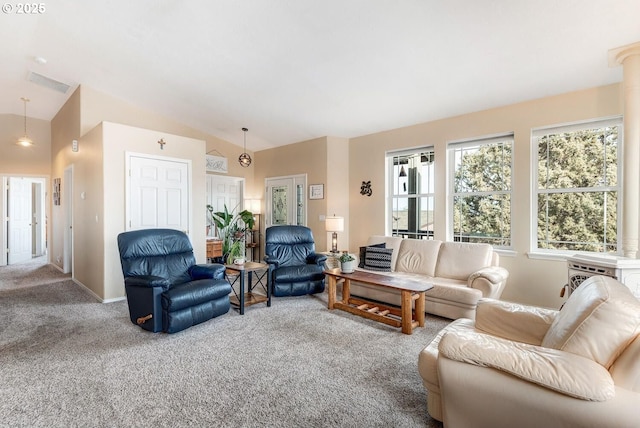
[
  {"x": 20, "y": 217},
  {"x": 285, "y": 201},
  {"x": 223, "y": 191},
  {"x": 159, "y": 193}
]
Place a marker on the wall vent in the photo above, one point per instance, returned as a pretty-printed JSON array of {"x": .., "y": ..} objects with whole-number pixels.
[{"x": 48, "y": 82}]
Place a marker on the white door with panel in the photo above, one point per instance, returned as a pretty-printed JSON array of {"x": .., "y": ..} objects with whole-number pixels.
[
  {"x": 285, "y": 201},
  {"x": 20, "y": 218},
  {"x": 159, "y": 193},
  {"x": 223, "y": 191}
]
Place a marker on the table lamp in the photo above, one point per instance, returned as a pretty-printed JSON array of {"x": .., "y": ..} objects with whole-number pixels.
[{"x": 334, "y": 224}]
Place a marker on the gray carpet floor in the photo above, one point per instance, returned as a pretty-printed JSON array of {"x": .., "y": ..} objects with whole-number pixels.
[{"x": 69, "y": 361}]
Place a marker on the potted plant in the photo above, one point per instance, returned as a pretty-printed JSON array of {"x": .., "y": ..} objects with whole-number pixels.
[
  {"x": 236, "y": 253},
  {"x": 347, "y": 263},
  {"x": 231, "y": 230}
]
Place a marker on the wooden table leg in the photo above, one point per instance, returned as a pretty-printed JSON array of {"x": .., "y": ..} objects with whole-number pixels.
[
  {"x": 405, "y": 308},
  {"x": 346, "y": 291},
  {"x": 420, "y": 309},
  {"x": 332, "y": 290}
]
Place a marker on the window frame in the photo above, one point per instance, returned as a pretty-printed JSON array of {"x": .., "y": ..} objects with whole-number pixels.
[
  {"x": 538, "y": 133},
  {"x": 452, "y": 194},
  {"x": 391, "y": 194}
]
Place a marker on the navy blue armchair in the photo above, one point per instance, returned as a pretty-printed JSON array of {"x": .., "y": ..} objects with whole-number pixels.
[
  {"x": 294, "y": 266},
  {"x": 166, "y": 290}
]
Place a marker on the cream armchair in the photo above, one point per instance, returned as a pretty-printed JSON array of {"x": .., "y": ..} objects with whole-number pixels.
[{"x": 521, "y": 366}]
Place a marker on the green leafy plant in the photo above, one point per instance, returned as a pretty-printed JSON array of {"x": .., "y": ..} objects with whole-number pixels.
[
  {"x": 236, "y": 250},
  {"x": 231, "y": 229},
  {"x": 346, "y": 257}
]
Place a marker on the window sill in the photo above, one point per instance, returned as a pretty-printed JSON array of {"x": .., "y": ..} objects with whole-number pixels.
[
  {"x": 548, "y": 256},
  {"x": 506, "y": 253}
]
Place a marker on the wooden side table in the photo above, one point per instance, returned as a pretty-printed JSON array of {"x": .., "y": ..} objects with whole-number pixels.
[{"x": 242, "y": 299}]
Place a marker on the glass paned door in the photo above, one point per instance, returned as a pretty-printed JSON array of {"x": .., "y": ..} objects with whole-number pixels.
[
  {"x": 285, "y": 198},
  {"x": 279, "y": 206}
]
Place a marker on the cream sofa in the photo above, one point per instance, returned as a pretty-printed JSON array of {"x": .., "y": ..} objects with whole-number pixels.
[
  {"x": 522, "y": 366},
  {"x": 461, "y": 274}
]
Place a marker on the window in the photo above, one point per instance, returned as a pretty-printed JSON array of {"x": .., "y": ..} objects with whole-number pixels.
[
  {"x": 412, "y": 193},
  {"x": 577, "y": 169},
  {"x": 481, "y": 190}
]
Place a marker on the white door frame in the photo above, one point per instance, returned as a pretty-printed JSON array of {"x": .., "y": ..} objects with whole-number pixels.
[
  {"x": 43, "y": 214},
  {"x": 66, "y": 194}
]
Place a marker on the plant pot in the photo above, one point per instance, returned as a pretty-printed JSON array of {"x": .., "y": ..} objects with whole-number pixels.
[
  {"x": 348, "y": 267},
  {"x": 238, "y": 261}
]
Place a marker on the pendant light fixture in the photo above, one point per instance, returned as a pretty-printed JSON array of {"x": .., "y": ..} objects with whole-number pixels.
[
  {"x": 245, "y": 159},
  {"x": 25, "y": 141}
]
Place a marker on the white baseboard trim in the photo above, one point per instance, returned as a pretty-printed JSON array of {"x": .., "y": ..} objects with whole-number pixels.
[{"x": 95, "y": 296}]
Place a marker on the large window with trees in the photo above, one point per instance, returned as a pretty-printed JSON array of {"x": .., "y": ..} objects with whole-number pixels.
[
  {"x": 578, "y": 187},
  {"x": 481, "y": 183},
  {"x": 411, "y": 195}
]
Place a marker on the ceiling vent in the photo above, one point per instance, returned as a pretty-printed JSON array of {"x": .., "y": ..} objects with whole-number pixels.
[{"x": 48, "y": 82}]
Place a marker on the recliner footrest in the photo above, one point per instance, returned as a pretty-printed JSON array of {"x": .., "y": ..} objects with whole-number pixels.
[
  {"x": 298, "y": 273},
  {"x": 194, "y": 293}
]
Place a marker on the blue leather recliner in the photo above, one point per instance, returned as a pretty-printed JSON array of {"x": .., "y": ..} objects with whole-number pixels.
[
  {"x": 294, "y": 266},
  {"x": 166, "y": 290}
]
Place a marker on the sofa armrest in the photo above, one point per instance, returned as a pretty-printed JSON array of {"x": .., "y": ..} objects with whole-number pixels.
[
  {"x": 272, "y": 262},
  {"x": 567, "y": 373},
  {"x": 316, "y": 259},
  {"x": 490, "y": 280},
  {"x": 206, "y": 271},
  {"x": 148, "y": 281},
  {"x": 514, "y": 321}
]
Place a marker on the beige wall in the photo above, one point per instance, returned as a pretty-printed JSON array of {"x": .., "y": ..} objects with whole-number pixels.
[
  {"x": 532, "y": 281},
  {"x": 89, "y": 212},
  {"x": 308, "y": 157},
  {"x": 337, "y": 187},
  {"x": 119, "y": 139},
  {"x": 65, "y": 127}
]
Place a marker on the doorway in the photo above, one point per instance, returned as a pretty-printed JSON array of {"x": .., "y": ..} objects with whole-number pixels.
[
  {"x": 158, "y": 193},
  {"x": 24, "y": 226},
  {"x": 285, "y": 200}
]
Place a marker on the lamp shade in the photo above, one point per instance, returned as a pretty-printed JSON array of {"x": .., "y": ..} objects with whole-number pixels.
[{"x": 334, "y": 224}]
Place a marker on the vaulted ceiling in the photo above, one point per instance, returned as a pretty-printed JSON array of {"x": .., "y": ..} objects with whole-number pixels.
[{"x": 291, "y": 70}]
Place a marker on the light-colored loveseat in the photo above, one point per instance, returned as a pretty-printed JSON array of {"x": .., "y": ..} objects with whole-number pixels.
[
  {"x": 524, "y": 366},
  {"x": 461, "y": 274}
]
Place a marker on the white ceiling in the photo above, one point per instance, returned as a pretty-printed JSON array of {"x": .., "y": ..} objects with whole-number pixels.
[{"x": 291, "y": 70}]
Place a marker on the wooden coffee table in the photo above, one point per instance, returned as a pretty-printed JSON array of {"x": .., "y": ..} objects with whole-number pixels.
[{"x": 409, "y": 291}]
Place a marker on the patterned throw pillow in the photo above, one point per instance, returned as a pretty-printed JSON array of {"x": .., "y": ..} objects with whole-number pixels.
[
  {"x": 378, "y": 259},
  {"x": 363, "y": 253}
]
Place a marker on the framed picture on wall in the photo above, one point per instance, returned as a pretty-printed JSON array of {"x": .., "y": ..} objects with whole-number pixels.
[
  {"x": 56, "y": 191},
  {"x": 217, "y": 164},
  {"x": 316, "y": 191}
]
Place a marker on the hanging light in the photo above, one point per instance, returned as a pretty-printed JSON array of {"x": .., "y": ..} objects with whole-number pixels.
[
  {"x": 403, "y": 173},
  {"x": 245, "y": 159},
  {"x": 25, "y": 141}
]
